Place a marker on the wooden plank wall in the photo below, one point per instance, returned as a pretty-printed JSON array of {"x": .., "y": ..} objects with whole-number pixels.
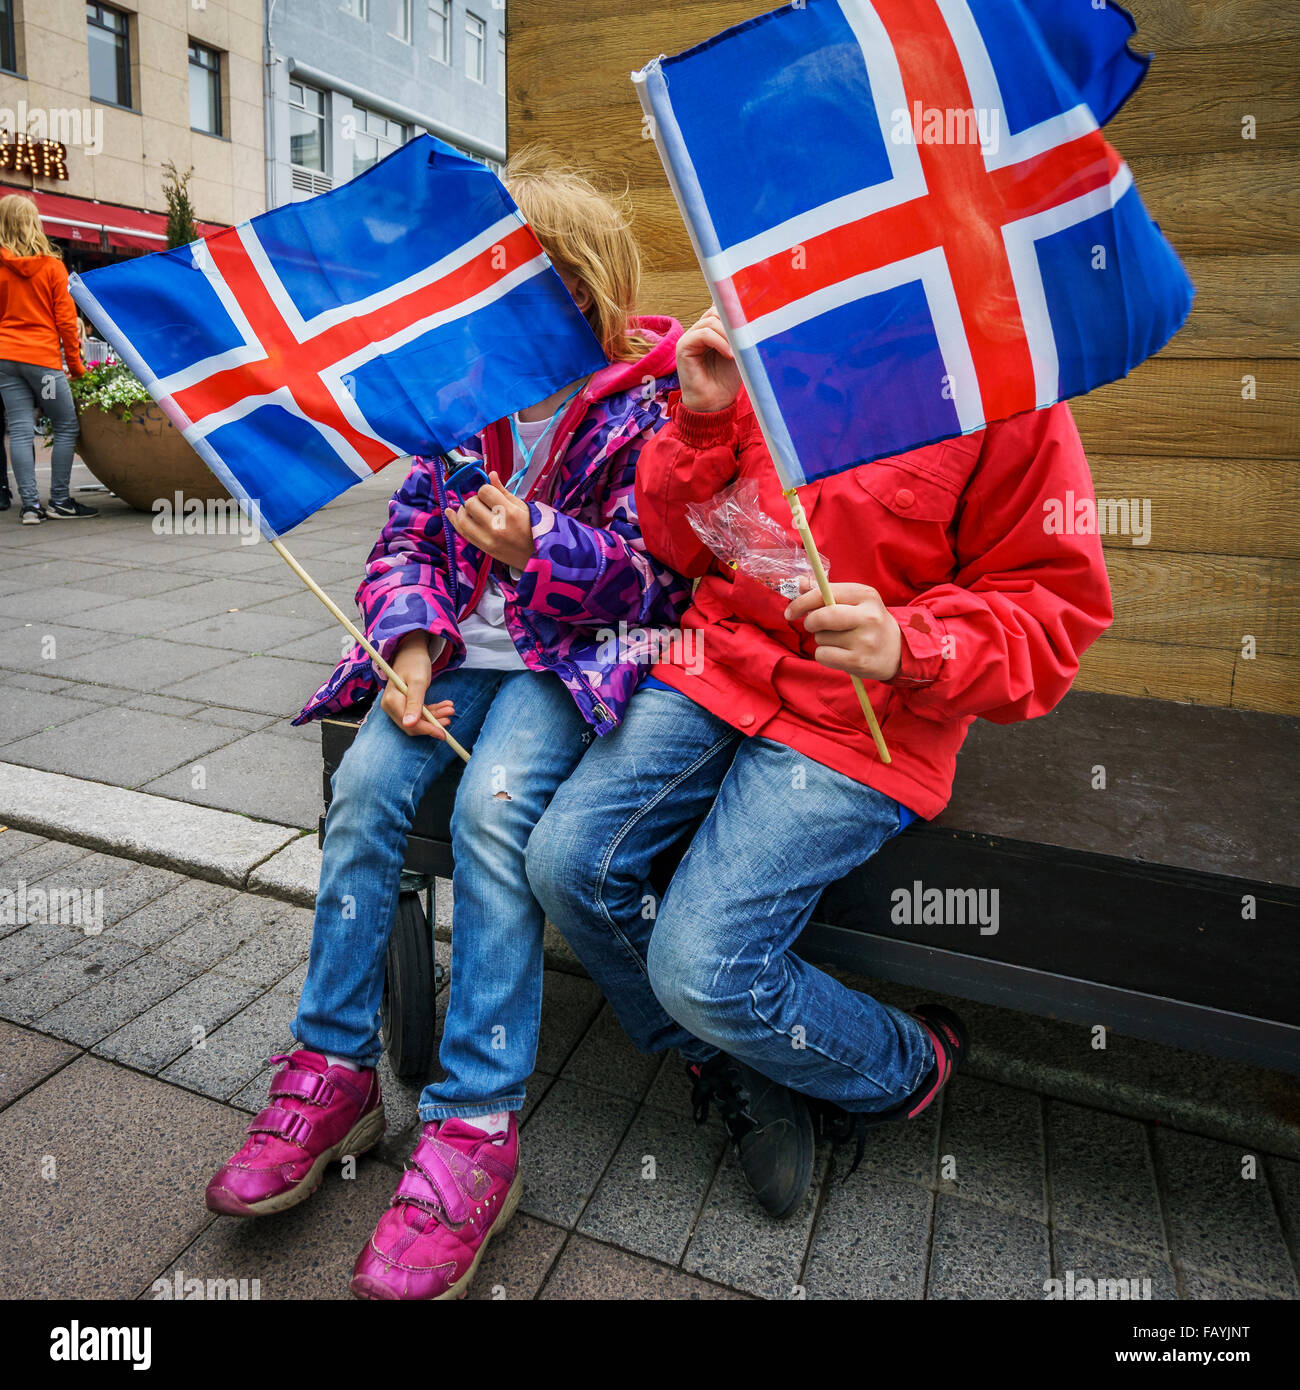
[{"x": 1220, "y": 470}]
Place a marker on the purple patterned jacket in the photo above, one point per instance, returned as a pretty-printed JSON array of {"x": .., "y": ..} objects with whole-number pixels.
[{"x": 590, "y": 573}]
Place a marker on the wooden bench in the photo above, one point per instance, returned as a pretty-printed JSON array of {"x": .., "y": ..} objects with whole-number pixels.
[{"x": 1143, "y": 858}]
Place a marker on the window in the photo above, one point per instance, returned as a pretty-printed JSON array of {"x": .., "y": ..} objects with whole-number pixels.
[
  {"x": 8, "y": 48},
  {"x": 501, "y": 63},
  {"x": 110, "y": 55},
  {"x": 375, "y": 138},
  {"x": 402, "y": 29},
  {"x": 440, "y": 30},
  {"x": 475, "y": 48},
  {"x": 205, "y": 89},
  {"x": 306, "y": 127}
]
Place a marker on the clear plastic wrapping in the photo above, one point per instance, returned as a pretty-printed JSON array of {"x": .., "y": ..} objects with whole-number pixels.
[{"x": 741, "y": 534}]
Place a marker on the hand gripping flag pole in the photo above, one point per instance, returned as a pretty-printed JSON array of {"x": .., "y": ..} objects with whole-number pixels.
[{"x": 361, "y": 640}]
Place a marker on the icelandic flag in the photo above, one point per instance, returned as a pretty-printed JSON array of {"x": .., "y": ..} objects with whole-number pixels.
[
  {"x": 909, "y": 218},
  {"x": 305, "y": 349}
]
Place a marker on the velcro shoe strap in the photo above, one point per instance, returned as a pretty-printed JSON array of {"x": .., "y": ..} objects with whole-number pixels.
[
  {"x": 310, "y": 1086},
  {"x": 415, "y": 1187},
  {"x": 432, "y": 1159},
  {"x": 284, "y": 1123}
]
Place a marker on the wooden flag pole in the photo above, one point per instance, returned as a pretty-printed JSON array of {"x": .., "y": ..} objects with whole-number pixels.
[
  {"x": 828, "y": 598},
  {"x": 359, "y": 637}
]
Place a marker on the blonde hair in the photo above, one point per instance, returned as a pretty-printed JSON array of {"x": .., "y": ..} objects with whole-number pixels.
[
  {"x": 586, "y": 233},
  {"x": 21, "y": 233}
]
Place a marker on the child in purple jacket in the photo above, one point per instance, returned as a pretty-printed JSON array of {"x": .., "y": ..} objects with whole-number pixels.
[{"x": 512, "y": 636}]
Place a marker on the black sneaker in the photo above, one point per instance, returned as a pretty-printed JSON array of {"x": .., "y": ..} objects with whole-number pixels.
[
  {"x": 769, "y": 1124},
  {"x": 71, "y": 510},
  {"x": 32, "y": 516},
  {"x": 948, "y": 1034}
]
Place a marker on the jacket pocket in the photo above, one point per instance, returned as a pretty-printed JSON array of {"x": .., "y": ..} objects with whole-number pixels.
[{"x": 910, "y": 493}]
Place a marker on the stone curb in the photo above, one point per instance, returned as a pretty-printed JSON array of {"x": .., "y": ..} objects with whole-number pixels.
[{"x": 216, "y": 845}]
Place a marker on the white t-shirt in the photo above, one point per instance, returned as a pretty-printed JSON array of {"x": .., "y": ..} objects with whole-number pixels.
[{"x": 488, "y": 644}]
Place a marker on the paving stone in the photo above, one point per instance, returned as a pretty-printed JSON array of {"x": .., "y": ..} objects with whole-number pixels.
[
  {"x": 648, "y": 1199},
  {"x": 246, "y": 632},
  {"x": 158, "y": 704},
  {"x": 49, "y": 649},
  {"x": 165, "y": 1031},
  {"x": 871, "y": 1240},
  {"x": 569, "y": 1004},
  {"x": 62, "y": 603},
  {"x": 142, "y": 583},
  {"x": 567, "y": 1144},
  {"x": 24, "y": 680},
  {"x": 237, "y": 1051},
  {"x": 736, "y": 1243},
  {"x": 607, "y": 1060},
  {"x": 273, "y": 777},
  {"x": 588, "y": 1272},
  {"x": 1115, "y": 1273},
  {"x": 88, "y": 694},
  {"x": 986, "y": 1252},
  {"x": 224, "y": 930},
  {"x": 149, "y": 617},
  {"x": 671, "y": 1088},
  {"x": 170, "y": 914},
  {"x": 25, "y": 998},
  {"x": 33, "y": 712},
  {"x": 1102, "y": 1179},
  {"x": 265, "y": 959},
  {"x": 1204, "y": 1286},
  {"x": 97, "y": 1236},
  {"x": 326, "y": 647},
  {"x": 123, "y": 747},
  {"x": 233, "y": 718},
  {"x": 909, "y": 1151},
  {"x": 209, "y": 596},
  {"x": 140, "y": 663},
  {"x": 27, "y": 947},
  {"x": 262, "y": 684},
  {"x": 995, "y": 1136},
  {"x": 1284, "y": 1175},
  {"x": 1221, "y": 1222},
  {"x": 293, "y": 873},
  {"x": 304, "y": 1253},
  {"x": 15, "y": 842},
  {"x": 37, "y": 861},
  {"x": 119, "y": 886},
  {"x": 27, "y": 1058},
  {"x": 112, "y": 1003},
  {"x": 516, "y": 1262}
]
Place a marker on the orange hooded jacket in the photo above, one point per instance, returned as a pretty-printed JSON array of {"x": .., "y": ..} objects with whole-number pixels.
[{"x": 37, "y": 313}]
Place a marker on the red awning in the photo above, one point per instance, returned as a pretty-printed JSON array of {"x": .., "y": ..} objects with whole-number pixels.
[{"x": 79, "y": 219}]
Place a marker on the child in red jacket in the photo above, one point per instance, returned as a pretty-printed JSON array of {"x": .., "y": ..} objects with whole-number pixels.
[{"x": 954, "y": 599}]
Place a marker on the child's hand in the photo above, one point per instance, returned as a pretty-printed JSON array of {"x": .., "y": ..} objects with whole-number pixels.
[
  {"x": 858, "y": 635},
  {"x": 414, "y": 664},
  {"x": 498, "y": 523},
  {"x": 705, "y": 367}
]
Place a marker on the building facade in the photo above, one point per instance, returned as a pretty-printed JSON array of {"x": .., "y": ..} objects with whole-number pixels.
[
  {"x": 349, "y": 81},
  {"x": 95, "y": 98}
]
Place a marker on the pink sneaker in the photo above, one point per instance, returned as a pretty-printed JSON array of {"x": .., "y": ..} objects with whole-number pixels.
[
  {"x": 459, "y": 1191},
  {"x": 317, "y": 1113}
]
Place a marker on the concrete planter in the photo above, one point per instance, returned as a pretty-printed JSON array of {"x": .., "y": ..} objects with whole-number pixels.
[{"x": 144, "y": 458}]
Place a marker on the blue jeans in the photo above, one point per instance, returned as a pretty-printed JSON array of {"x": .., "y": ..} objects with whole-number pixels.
[
  {"x": 710, "y": 968},
  {"x": 23, "y": 387},
  {"x": 526, "y": 736}
]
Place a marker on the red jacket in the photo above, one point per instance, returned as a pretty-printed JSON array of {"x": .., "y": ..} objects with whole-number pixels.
[
  {"x": 995, "y": 611},
  {"x": 37, "y": 313}
]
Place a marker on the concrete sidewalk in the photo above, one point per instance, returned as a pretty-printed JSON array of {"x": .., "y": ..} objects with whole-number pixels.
[
  {"x": 173, "y": 663},
  {"x": 132, "y": 1057}
]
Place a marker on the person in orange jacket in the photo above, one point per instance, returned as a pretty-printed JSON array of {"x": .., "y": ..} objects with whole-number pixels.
[
  {"x": 955, "y": 599},
  {"x": 38, "y": 330}
]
